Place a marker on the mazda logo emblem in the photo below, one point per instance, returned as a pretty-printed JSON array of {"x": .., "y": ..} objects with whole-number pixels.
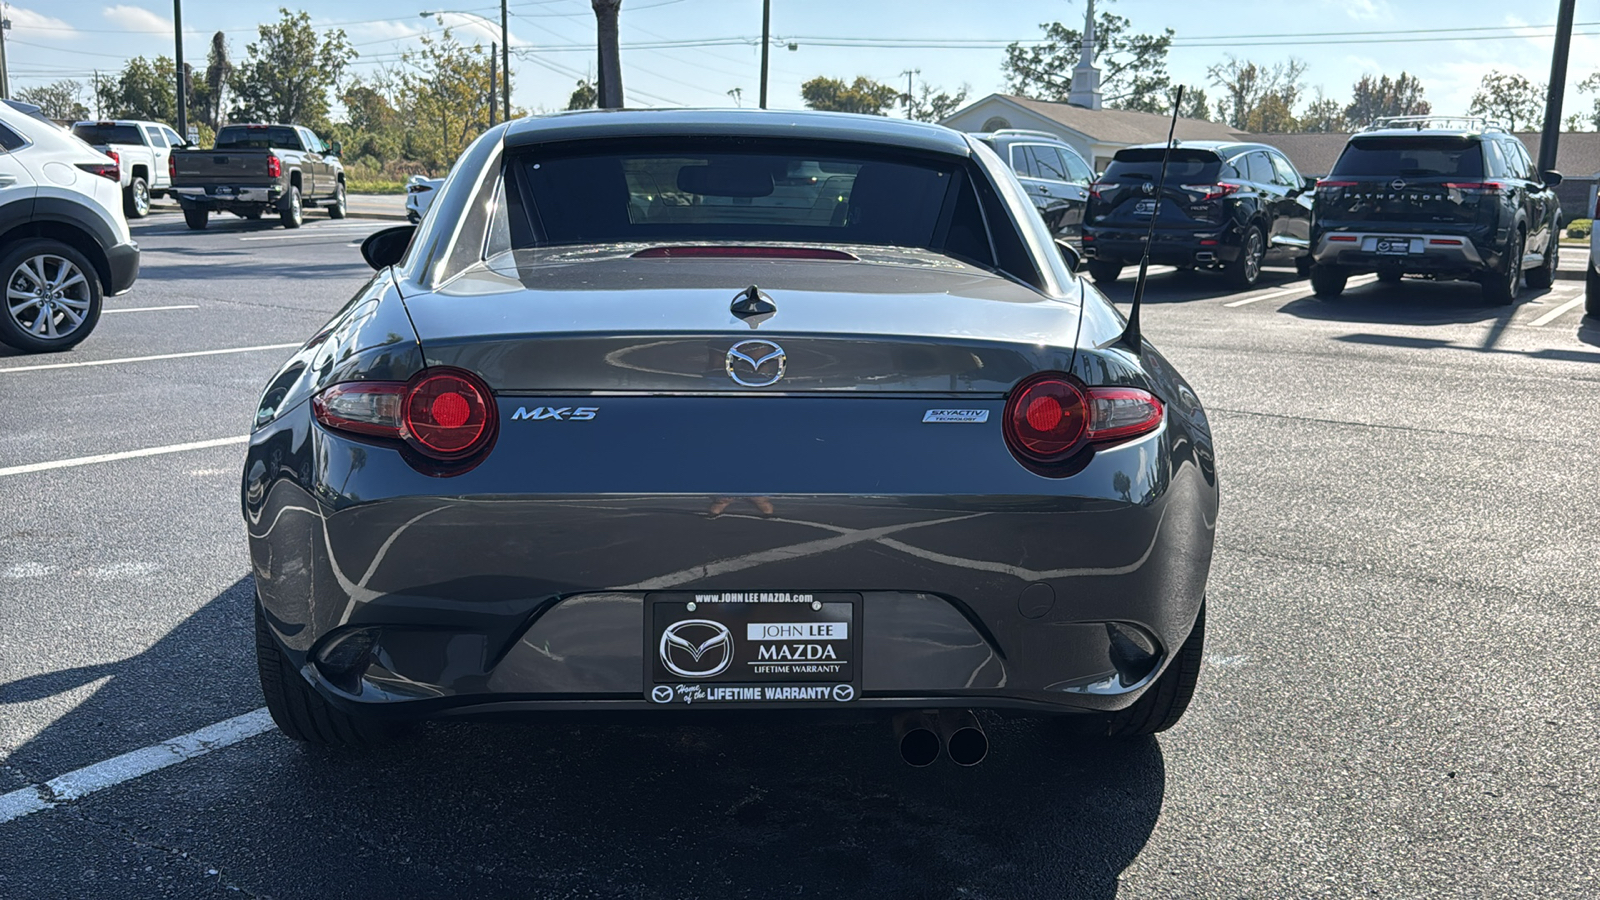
[
  {"x": 1399, "y": 184},
  {"x": 756, "y": 363},
  {"x": 696, "y": 648}
]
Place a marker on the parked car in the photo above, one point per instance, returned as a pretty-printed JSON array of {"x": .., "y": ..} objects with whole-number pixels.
[
  {"x": 1446, "y": 197},
  {"x": 1054, "y": 175},
  {"x": 1591, "y": 288},
  {"x": 1227, "y": 205},
  {"x": 957, "y": 479},
  {"x": 64, "y": 243},
  {"x": 142, "y": 150},
  {"x": 254, "y": 169},
  {"x": 419, "y": 195}
]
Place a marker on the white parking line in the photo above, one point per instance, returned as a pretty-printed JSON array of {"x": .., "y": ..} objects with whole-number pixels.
[
  {"x": 107, "y": 312},
  {"x": 1297, "y": 289},
  {"x": 130, "y": 359},
  {"x": 305, "y": 232},
  {"x": 82, "y": 782},
  {"x": 1556, "y": 313},
  {"x": 125, "y": 454}
]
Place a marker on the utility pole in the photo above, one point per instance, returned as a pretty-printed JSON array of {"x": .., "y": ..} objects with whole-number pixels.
[
  {"x": 505, "y": 58},
  {"x": 909, "y": 73},
  {"x": 494, "y": 85},
  {"x": 183, "y": 93},
  {"x": 610, "y": 76},
  {"x": 766, "y": 46},
  {"x": 1558, "y": 87},
  {"x": 5, "y": 77}
]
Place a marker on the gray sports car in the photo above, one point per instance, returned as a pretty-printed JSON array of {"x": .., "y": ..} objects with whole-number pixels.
[{"x": 662, "y": 412}]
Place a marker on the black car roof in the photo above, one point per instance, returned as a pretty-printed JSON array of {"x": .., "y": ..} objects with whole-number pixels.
[
  {"x": 601, "y": 124},
  {"x": 1223, "y": 149}
]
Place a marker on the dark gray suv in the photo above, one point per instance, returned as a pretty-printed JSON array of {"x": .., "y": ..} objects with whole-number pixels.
[{"x": 1055, "y": 176}]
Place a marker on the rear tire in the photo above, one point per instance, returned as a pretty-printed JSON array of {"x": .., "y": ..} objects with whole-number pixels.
[
  {"x": 300, "y": 712},
  {"x": 1545, "y": 275},
  {"x": 1164, "y": 702},
  {"x": 338, "y": 209},
  {"x": 136, "y": 199},
  {"x": 197, "y": 219},
  {"x": 1502, "y": 288},
  {"x": 290, "y": 212},
  {"x": 1328, "y": 282},
  {"x": 1591, "y": 293},
  {"x": 1103, "y": 272}
]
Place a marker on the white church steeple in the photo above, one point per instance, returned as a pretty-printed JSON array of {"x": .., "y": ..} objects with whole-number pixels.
[{"x": 1085, "y": 77}]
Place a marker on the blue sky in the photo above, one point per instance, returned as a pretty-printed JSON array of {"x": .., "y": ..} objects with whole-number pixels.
[{"x": 1340, "y": 39}]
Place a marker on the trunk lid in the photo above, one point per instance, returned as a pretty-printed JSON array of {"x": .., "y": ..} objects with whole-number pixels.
[
  {"x": 1126, "y": 195},
  {"x": 598, "y": 319},
  {"x": 211, "y": 168}
]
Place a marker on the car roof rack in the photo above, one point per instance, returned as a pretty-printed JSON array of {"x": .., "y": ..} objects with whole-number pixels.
[
  {"x": 1027, "y": 132},
  {"x": 1434, "y": 123}
]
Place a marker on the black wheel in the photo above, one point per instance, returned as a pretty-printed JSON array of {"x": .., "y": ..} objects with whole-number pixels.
[
  {"x": 1328, "y": 282},
  {"x": 1545, "y": 275},
  {"x": 52, "y": 296},
  {"x": 1164, "y": 703},
  {"x": 300, "y": 712},
  {"x": 1390, "y": 276},
  {"x": 136, "y": 199},
  {"x": 1502, "y": 288},
  {"x": 1302, "y": 265},
  {"x": 337, "y": 210},
  {"x": 1103, "y": 272},
  {"x": 1246, "y": 270},
  {"x": 1591, "y": 293},
  {"x": 197, "y": 219},
  {"x": 289, "y": 210}
]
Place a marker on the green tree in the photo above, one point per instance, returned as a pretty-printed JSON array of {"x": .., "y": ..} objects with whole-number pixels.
[
  {"x": 584, "y": 96},
  {"x": 931, "y": 104},
  {"x": 1194, "y": 106},
  {"x": 288, "y": 72},
  {"x": 1510, "y": 99},
  {"x": 444, "y": 93},
  {"x": 142, "y": 90},
  {"x": 1133, "y": 66},
  {"x": 373, "y": 130},
  {"x": 1591, "y": 119},
  {"x": 62, "y": 100},
  {"x": 1323, "y": 114},
  {"x": 1373, "y": 98},
  {"x": 862, "y": 96},
  {"x": 1258, "y": 95}
]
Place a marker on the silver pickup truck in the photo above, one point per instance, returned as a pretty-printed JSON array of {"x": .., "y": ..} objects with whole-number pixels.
[{"x": 257, "y": 168}]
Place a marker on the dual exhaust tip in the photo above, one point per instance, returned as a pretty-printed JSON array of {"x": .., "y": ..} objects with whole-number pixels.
[{"x": 922, "y": 736}]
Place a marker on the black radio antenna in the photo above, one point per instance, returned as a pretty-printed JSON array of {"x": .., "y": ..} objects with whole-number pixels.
[{"x": 1131, "y": 336}]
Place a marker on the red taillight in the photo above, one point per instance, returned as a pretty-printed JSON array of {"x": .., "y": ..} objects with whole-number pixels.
[
  {"x": 1050, "y": 416},
  {"x": 419, "y": 188},
  {"x": 1212, "y": 191},
  {"x": 274, "y": 167},
  {"x": 1325, "y": 183},
  {"x": 1099, "y": 186},
  {"x": 104, "y": 170},
  {"x": 1343, "y": 238},
  {"x": 1448, "y": 242},
  {"x": 172, "y": 166},
  {"x": 715, "y": 252},
  {"x": 444, "y": 414},
  {"x": 1486, "y": 187}
]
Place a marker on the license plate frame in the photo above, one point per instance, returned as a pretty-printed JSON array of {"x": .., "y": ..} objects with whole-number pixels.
[
  {"x": 754, "y": 648},
  {"x": 1394, "y": 246}
]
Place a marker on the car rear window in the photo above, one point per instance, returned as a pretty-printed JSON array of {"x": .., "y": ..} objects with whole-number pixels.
[
  {"x": 1411, "y": 157},
  {"x": 106, "y": 133},
  {"x": 257, "y": 137},
  {"x": 1144, "y": 164},
  {"x": 739, "y": 195}
]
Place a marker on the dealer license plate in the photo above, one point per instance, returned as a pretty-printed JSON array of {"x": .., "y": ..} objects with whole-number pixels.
[
  {"x": 752, "y": 647},
  {"x": 1393, "y": 246}
]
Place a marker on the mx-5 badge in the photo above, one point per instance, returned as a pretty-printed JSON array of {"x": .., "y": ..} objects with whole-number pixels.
[
  {"x": 560, "y": 413},
  {"x": 696, "y": 648},
  {"x": 756, "y": 363}
]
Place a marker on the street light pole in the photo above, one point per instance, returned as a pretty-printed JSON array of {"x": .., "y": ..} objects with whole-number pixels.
[
  {"x": 183, "y": 93},
  {"x": 5, "y": 78},
  {"x": 494, "y": 86},
  {"x": 1548, "y": 142},
  {"x": 766, "y": 46}
]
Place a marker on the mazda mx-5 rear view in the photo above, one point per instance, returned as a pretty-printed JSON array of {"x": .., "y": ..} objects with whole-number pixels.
[{"x": 660, "y": 412}]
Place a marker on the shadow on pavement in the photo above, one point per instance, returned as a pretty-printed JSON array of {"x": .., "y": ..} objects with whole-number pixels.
[
  {"x": 1186, "y": 286},
  {"x": 543, "y": 809},
  {"x": 1411, "y": 302}
]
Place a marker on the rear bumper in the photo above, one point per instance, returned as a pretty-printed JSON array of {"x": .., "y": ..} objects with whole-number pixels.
[
  {"x": 1170, "y": 248},
  {"x": 1440, "y": 253},
  {"x": 1071, "y": 598},
  {"x": 123, "y": 262},
  {"x": 207, "y": 198}
]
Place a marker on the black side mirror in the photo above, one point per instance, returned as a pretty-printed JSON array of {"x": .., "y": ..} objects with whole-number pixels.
[
  {"x": 386, "y": 248},
  {"x": 1550, "y": 177},
  {"x": 1070, "y": 256}
]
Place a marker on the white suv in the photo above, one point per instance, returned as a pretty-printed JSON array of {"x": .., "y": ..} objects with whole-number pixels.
[
  {"x": 64, "y": 244},
  {"x": 141, "y": 150}
]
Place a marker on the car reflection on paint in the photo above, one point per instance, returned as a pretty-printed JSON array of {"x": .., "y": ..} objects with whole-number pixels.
[{"x": 599, "y": 439}]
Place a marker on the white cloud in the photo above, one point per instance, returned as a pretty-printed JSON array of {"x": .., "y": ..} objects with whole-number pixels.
[
  {"x": 25, "y": 20},
  {"x": 470, "y": 29},
  {"x": 1366, "y": 10},
  {"x": 384, "y": 31},
  {"x": 137, "y": 19}
]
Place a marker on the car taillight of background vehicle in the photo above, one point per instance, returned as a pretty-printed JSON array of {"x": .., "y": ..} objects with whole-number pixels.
[
  {"x": 446, "y": 415},
  {"x": 172, "y": 166},
  {"x": 1212, "y": 191},
  {"x": 274, "y": 167},
  {"x": 1098, "y": 186},
  {"x": 419, "y": 188},
  {"x": 1475, "y": 187},
  {"x": 112, "y": 171},
  {"x": 1050, "y": 417}
]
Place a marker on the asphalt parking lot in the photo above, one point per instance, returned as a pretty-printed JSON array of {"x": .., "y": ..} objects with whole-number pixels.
[{"x": 1398, "y": 698}]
